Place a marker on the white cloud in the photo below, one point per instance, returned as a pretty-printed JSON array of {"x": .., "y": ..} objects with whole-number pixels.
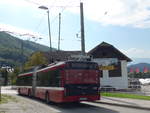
[
  {"x": 137, "y": 53},
  {"x": 135, "y": 13},
  {"x": 27, "y": 34},
  {"x": 18, "y": 31},
  {"x": 17, "y": 3}
]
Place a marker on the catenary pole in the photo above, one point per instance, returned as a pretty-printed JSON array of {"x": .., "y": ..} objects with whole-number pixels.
[
  {"x": 49, "y": 29},
  {"x": 59, "y": 31},
  {"x": 82, "y": 29}
]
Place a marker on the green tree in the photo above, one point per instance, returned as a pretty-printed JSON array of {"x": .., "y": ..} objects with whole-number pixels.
[
  {"x": 36, "y": 59},
  {"x": 13, "y": 76},
  {"x": 4, "y": 75}
]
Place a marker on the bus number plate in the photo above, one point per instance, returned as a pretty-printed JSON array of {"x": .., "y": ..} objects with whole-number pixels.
[{"x": 83, "y": 98}]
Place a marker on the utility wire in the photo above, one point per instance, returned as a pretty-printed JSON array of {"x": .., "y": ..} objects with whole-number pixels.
[
  {"x": 55, "y": 18},
  {"x": 40, "y": 22},
  {"x": 63, "y": 8},
  {"x": 32, "y": 2}
]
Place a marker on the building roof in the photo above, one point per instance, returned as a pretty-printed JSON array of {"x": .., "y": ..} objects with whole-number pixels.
[
  {"x": 60, "y": 55},
  {"x": 105, "y": 50}
]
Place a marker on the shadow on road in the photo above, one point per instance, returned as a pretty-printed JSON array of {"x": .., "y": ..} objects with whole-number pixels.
[
  {"x": 74, "y": 107},
  {"x": 80, "y": 108}
]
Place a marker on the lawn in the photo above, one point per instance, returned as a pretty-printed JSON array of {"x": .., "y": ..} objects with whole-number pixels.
[
  {"x": 125, "y": 95},
  {"x": 7, "y": 98}
]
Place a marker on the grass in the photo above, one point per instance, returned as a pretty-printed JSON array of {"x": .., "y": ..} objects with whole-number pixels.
[
  {"x": 125, "y": 95},
  {"x": 7, "y": 98}
]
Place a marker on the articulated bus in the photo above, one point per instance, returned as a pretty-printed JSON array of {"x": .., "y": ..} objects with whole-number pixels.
[{"x": 68, "y": 81}]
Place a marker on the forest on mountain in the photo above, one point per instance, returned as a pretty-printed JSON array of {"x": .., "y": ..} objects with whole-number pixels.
[
  {"x": 140, "y": 70},
  {"x": 13, "y": 50}
]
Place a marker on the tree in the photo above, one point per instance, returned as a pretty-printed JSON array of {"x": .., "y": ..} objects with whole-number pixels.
[
  {"x": 36, "y": 59},
  {"x": 4, "y": 75},
  {"x": 13, "y": 76}
]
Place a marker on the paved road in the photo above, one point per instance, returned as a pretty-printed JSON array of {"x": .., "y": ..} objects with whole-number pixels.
[{"x": 27, "y": 105}]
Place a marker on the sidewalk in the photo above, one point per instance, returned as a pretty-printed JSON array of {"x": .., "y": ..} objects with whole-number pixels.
[
  {"x": 132, "y": 103},
  {"x": 8, "y": 90}
]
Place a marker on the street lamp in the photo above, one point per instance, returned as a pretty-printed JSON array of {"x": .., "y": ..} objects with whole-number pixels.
[{"x": 46, "y": 8}]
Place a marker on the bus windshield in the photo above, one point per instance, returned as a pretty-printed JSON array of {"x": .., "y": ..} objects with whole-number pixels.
[{"x": 82, "y": 65}]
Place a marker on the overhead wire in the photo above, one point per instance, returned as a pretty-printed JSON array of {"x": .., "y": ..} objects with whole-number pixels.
[
  {"x": 63, "y": 8},
  {"x": 32, "y": 2},
  {"x": 38, "y": 26},
  {"x": 50, "y": 7}
]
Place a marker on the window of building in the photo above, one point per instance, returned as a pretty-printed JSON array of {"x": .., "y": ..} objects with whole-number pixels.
[
  {"x": 116, "y": 72},
  {"x": 101, "y": 73}
]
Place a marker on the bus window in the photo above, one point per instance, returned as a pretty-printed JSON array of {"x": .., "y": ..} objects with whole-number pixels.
[
  {"x": 24, "y": 80},
  {"x": 81, "y": 65},
  {"x": 49, "y": 78}
]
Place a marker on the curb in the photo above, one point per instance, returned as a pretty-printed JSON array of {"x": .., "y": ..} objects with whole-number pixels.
[{"x": 123, "y": 105}]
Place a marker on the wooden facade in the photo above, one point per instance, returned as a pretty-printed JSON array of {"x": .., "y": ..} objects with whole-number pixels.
[
  {"x": 116, "y": 76},
  {"x": 105, "y": 50}
]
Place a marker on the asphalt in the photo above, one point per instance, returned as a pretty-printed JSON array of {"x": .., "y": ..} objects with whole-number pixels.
[{"x": 124, "y": 102}]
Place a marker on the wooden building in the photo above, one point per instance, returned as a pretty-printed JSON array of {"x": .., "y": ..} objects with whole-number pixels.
[
  {"x": 112, "y": 64},
  {"x": 60, "y": 55}
]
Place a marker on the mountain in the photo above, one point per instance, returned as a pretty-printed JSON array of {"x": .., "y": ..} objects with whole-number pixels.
[
  {"x": 139, "y": 60},
  {"x": 140, "y": 66},
  {"x": 11, "y": 49}
]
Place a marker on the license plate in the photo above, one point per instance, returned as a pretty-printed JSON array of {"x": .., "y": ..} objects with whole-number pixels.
[{"x": 83, "y": 98}]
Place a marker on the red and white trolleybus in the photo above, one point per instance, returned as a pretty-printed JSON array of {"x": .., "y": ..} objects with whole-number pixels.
[{"x": 68, "y": 81}]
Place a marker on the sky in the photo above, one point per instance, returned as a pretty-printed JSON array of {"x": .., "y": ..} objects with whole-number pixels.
[{"x": 124, "y": 24}]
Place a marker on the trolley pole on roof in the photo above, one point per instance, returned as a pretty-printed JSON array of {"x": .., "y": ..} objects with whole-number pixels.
[{"x": 82, "y": 29}]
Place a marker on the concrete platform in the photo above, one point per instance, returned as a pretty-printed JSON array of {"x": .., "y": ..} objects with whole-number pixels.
[{"x": 133, "y": 103}]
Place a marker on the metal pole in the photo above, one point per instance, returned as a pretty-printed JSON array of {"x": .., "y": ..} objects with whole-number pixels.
[
  {"x": 59, "y": 32},
  {"x": 21, "y": 67},
  {"x": 0, "y": 93},
  {"x": 82, "y": 29},
  {"x": 1, "y": 82},
  {"x": 34, "y": 81},
  {"x": 49, "y": 29}
]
